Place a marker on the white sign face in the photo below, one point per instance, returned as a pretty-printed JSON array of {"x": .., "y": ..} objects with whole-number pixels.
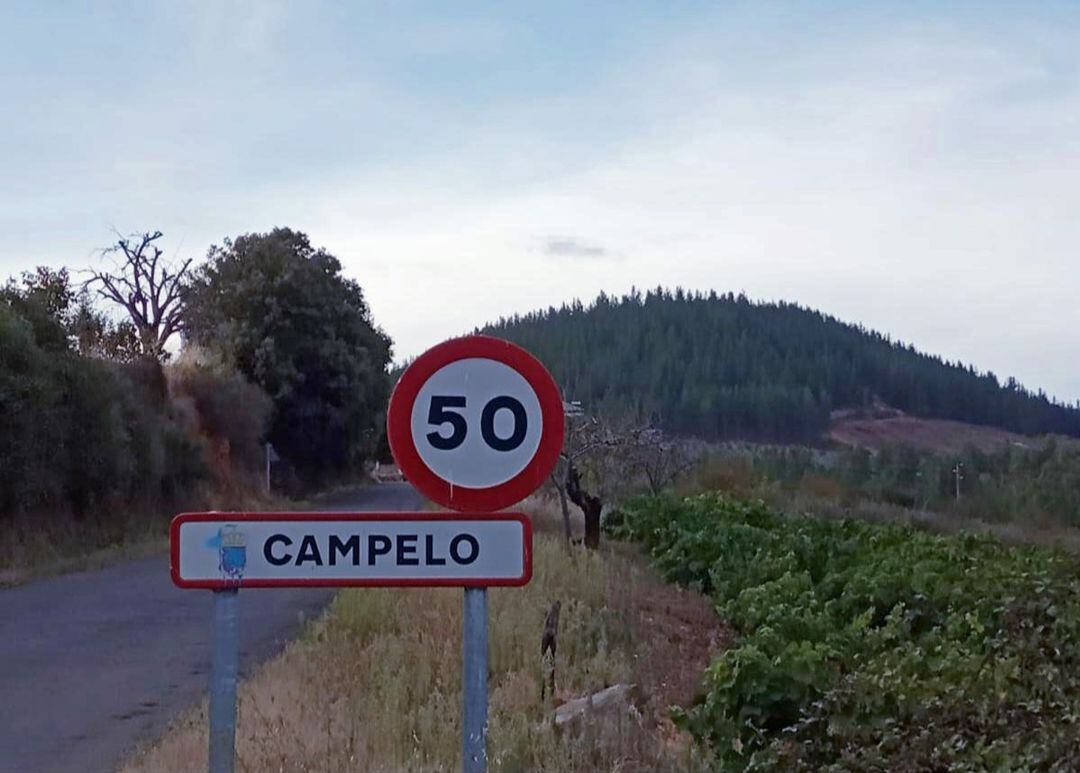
[
  {"x": 218, "y": 550},
  {"x": 476, "y": 423}
]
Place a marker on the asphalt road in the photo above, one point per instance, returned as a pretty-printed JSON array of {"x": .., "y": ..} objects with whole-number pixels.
[{"x": 94, "y": 663}]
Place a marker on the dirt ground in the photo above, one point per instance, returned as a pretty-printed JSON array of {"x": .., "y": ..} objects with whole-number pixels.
[{"x": 938, "y": 435}]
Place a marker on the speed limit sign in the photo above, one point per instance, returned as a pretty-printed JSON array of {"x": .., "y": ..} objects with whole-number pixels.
[{"x": 476, "y": 423}]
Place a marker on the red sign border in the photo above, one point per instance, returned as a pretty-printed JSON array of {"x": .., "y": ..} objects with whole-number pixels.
[
  {"x": 462, "y": 498},
  {"x": 240, "y": 517}
]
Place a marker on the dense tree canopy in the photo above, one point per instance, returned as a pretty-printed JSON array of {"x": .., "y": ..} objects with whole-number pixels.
[
  {"x": 281, "y": 311},
  {"x": 78, "y": 433},
  {"x": 721, "y": 366}
]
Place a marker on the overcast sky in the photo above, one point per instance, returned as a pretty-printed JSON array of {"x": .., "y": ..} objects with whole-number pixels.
[{"x": 908, "y": 167}]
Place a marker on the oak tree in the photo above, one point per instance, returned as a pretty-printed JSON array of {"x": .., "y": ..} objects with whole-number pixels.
[{"x": 280, "y": 310}]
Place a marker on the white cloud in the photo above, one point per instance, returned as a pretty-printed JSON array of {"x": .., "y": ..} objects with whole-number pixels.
[
  {"x": 909, "y": 194},
  {"x": 918, "y": 175}
]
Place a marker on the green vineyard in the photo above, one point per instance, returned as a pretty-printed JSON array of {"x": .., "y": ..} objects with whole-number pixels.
[{"x": 872, "y": 646}]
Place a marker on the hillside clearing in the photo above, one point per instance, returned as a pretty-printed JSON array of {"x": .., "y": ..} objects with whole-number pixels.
[
  {"x": 375, "y": 683},
  {"x": 933, "y": 435}
]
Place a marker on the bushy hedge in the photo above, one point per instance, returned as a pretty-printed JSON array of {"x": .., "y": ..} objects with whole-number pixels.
[
  {"x": 873, "y": 646},
  {"x": 226, "y": 407},
  {"x": 78, "y": 432}
]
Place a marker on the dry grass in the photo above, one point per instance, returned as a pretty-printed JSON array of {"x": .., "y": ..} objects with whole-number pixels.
[
  {"x": 48, "y": 544},
  {"x": 47, "y": 562},
  {"x": 375, "y": 684},
  {"x": 31, "y": 548}
]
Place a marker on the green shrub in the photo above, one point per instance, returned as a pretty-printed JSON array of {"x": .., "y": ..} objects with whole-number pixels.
[
  {"x": 873, "y": 646},
  {"x": 78, "y": 433},
  {"x": 229, "y": 407},
  {"x": 28, "y": 394}
]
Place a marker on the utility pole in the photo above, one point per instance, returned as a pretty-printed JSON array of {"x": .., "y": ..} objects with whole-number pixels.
[
  {"x": 271, "y": 456},
  {"x": 958, "y": 471}
]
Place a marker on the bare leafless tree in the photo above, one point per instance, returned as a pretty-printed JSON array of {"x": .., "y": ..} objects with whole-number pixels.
[
  {"x": 591, "y": 506},
  {"x": 148, "y": 287},
  {"x": 599, "y": 462},
  {"x": 588, "y": 441},
  {"x": 657, "y": 459}
]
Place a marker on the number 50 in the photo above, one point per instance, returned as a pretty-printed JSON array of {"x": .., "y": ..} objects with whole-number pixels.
[{"x": 441, "y": 413}]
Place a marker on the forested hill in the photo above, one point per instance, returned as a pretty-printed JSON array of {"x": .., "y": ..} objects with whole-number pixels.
[{"x": 721, "y": 366}]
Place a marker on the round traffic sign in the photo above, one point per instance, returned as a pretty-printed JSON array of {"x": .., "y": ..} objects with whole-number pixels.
[{"x": 476, "y": 423}]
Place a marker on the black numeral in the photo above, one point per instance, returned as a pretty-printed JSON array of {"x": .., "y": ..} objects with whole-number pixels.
[
  {"x": 487, "y": 423},
  {"x": 439, "y": 414}
]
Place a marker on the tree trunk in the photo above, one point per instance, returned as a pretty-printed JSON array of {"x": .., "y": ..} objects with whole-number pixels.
[
  {"x": 592, "y": 523},
  {"x": 591, "y": 506},
  {"x": 567, "y": 531}
]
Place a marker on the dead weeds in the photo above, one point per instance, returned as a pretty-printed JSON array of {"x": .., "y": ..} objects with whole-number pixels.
[{"x": 375, "y": 684}]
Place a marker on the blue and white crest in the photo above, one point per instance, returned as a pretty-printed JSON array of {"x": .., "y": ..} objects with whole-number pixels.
[{"x": 232, "y": 551}]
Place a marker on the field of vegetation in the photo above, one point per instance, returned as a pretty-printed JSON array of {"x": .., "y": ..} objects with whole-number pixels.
[
  {"x": 1032, "y": 492},
  {"x": 872, "y": 646}
]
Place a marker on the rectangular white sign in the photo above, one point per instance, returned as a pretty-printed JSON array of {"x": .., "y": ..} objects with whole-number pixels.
[{"x": 262, "y": 550}]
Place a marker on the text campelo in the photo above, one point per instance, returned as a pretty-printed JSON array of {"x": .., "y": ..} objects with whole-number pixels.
[{"x": 372, "y": 549}]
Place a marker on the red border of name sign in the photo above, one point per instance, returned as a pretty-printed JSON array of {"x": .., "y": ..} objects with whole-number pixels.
[
  {"x": 367, "y": 517},
  {"x": 403, "y": 446}
]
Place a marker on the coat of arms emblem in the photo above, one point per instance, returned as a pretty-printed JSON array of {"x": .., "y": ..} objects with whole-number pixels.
[{"x": 232, "y": 552}]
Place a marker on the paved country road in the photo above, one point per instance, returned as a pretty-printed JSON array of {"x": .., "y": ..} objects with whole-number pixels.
[{"x": 94, "y": 663}]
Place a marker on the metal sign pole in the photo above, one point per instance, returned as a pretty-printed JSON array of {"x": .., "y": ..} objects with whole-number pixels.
[
  {"x": 474, "y": 682},
  {"x": 223, "y": 672}
]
